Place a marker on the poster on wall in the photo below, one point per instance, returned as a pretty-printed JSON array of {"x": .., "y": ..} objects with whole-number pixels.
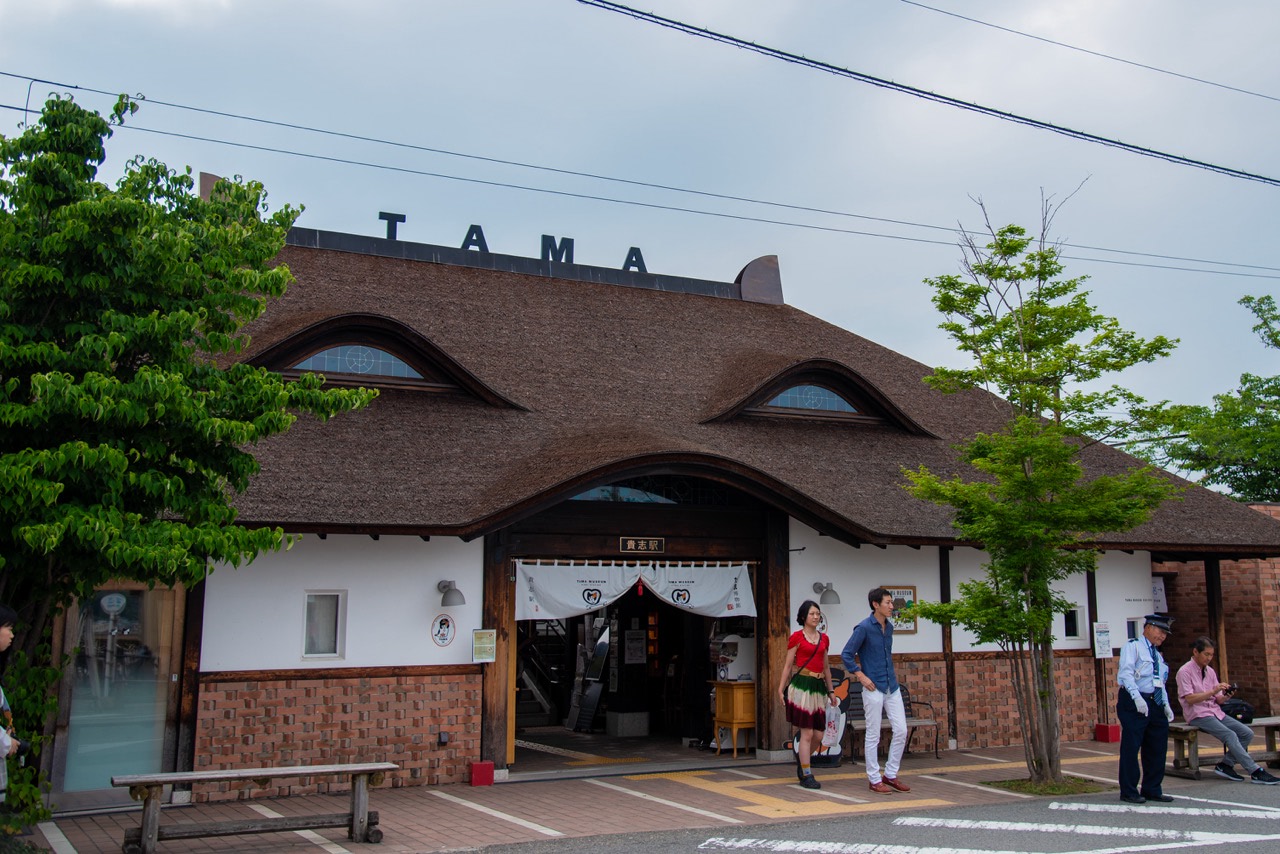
[
  {"x": 1160, "y": 603},
  {"x": 484, "y": 646},
  {"x": 1101, "y": 640},
  {"x": 634, "y": 651},
  {"x": 903, "y": 597}
]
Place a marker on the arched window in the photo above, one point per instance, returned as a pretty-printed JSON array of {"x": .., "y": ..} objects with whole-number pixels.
[
  {"x": 358, "y": 359},
  {"x": 812, "y": 398}
]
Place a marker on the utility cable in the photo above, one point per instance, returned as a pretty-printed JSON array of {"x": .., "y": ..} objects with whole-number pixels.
[
  {"x": 648, "y": 205},
  {"x": 1098, "y": 54},
  {"x": 608, "y": 178},
  {"x": 795, "y": 59}
]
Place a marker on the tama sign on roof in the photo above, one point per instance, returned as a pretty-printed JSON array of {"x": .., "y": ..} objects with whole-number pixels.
[{"x": 559, "y": 251}]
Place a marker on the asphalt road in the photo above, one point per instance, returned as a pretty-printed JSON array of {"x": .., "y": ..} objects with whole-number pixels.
[{"x": 1240, "y": 817}]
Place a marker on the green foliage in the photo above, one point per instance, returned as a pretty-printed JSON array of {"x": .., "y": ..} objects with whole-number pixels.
[
  {"x": 29, "y": 688},
  {"x": 125, "y": 432},
  {"x": 1235, "y": 443},
  {"x": 1034, "y": 339}
]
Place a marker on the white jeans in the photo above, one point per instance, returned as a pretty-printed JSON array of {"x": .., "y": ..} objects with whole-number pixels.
[{"x": 873, "y": 703}]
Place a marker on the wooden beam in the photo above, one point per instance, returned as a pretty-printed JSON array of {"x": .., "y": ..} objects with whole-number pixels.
[
  {"x": 773, "y": 624},
  {"x": 497, "y": 718},
  {"x": 948, "y": 650},
  {"x": 1216, "y": 611}
]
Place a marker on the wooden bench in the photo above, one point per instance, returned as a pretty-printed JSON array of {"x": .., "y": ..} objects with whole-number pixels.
[
  {"x": 361, "y": 824},
  {"x": 856, "y": 723},
  {"x": 1186, "y": 747}
]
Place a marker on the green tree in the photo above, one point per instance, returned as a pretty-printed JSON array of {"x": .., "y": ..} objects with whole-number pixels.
[
  {"x": 126, "y": 427},
  {"x": 1235, "y": 443},
  {"x": 1036, "y": 341}
]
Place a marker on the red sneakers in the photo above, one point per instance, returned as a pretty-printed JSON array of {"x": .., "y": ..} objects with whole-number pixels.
[
  {"x": 881, "y": 789},
  {"x": 895, "y": 783}
]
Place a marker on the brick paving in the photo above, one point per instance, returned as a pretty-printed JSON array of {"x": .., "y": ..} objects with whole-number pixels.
[{"x": 711, "y": 794}]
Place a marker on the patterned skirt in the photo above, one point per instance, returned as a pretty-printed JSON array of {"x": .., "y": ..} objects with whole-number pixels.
[{"x": 807, "y": 700}]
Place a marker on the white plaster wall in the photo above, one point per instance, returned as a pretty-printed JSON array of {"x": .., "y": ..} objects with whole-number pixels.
[
  {"x": 854, "y": 572},
  {"x": 1124, "y": 591},
  {"x": 254, "y": 616},
  {"x": 1124, "y": 584}
]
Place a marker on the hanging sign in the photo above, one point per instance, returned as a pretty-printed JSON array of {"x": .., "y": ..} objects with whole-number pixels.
[
  {"x": 557, "y": 591},
  {"x": 642, "y": 545}
]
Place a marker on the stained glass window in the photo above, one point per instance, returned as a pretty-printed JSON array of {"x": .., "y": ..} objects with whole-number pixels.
[{"x": 357, "y": 359}]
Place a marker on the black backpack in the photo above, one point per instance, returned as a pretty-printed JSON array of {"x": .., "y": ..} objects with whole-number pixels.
[{"x": 1238, "y": 709}]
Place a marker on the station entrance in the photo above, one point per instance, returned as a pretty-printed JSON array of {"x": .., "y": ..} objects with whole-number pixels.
[{"x": 626, "y": 673}]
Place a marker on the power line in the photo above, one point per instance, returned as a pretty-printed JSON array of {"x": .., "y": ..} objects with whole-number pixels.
[
  {"x": 594, "y": 176},
  {"x": 795, "y": 59},
  {"x": 648, "y": 205},
  {"x": 1092, "y": 52}
]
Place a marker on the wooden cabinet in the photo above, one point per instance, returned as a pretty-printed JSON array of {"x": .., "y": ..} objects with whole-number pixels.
[{"x": 735, "y": 710}]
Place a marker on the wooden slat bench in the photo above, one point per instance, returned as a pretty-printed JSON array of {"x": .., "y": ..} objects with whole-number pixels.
[
  {"x": 1186, "y": 747},
  {"x": 361, "y": 824},
  {"x": 856, "y": 723}
]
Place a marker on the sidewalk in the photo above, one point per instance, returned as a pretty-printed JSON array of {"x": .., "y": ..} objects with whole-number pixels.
[{"x": 614, "y": 801}]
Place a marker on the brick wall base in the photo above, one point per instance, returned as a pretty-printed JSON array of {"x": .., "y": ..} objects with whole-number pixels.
[{"x": 311, "y": 721}]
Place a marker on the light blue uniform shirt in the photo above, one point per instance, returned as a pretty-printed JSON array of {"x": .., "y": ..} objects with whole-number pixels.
[{"x": 1142, "y": 670}]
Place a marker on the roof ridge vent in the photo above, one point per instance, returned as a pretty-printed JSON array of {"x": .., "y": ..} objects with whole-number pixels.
[{"x": 761, "y": 281}]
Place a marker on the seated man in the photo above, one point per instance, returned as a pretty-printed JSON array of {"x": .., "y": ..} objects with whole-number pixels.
[{"x": 1202, "y": 696}]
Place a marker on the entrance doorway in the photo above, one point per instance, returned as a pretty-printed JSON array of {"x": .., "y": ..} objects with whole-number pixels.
[
  {"x": 642, "y": 695},
  {"x": 117, "y": 708}
]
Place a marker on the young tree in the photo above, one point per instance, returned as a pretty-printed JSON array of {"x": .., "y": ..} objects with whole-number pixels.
[
  {"x": 1235, "y": 443},
  {"x": 125, "y": 427},
  {"x": 1035, "y": 340}
]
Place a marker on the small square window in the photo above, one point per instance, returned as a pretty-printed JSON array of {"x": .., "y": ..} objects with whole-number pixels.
[
  {"x": 326, "y": 624},
  {"x": 1132, "y": 627},
  {"x": 1071, "y": 623}
]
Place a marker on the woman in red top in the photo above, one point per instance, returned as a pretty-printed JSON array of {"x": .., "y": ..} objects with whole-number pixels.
[{"x": 806, "y": 694}]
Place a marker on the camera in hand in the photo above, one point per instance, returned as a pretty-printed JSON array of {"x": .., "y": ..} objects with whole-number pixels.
[
  {"x": 1235, "y": 686},
  {"x": 24, "y": 748}
]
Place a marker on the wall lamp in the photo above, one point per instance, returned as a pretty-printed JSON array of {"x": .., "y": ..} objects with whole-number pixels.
[
  {"x": 452, "y": 595},
  {"x": 828, "y": 594}
]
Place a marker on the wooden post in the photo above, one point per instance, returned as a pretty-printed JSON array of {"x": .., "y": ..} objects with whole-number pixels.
[
  {"x": 1217, "y": 622},
  {"x": 498, "y": 612},
  {"x": 773, "y": 585},
  {"x": 359, "y": 807},
  {"x": 948, "y": 650},
  {"x": 151, "y": 819}
]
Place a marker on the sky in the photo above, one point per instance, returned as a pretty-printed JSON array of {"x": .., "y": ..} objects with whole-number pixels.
[{"x": 857, "y": 188}]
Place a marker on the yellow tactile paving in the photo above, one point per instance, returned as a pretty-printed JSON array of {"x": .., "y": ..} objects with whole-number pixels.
[{"x": 762, "y": 803}]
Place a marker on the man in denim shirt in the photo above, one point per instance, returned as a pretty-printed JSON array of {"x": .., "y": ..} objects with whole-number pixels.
[{"x": 869, "y": 657}]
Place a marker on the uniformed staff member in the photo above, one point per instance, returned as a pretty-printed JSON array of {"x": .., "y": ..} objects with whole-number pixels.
[{"x": 1144, "y": 712}]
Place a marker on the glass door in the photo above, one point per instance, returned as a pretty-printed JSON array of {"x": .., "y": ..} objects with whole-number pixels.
[{"x": 120, "y": 715}]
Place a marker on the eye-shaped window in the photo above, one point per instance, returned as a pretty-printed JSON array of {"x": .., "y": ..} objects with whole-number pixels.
[
  {"x": 357, "y": 359},
  {"x": 812, "y": 398}
]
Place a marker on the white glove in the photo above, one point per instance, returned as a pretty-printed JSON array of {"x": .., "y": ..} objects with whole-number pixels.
[
  {"x": 1168, "y": 712},
  {"x": 1141, "y": 705}
]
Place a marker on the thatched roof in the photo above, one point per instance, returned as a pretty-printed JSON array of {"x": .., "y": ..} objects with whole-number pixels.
[{"x": 574, "y": 383}]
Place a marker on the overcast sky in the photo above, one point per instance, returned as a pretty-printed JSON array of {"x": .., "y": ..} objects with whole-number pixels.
[{"x": 559, "y": 84}]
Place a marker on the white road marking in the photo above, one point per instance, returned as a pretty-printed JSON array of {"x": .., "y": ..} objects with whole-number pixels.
[
  {"x": 985, "y": 758},
  {"x": 1166, "y": 846},
  {"x": 665, "y": 802},
  {"x": 746, "y": 774},
  {"x": 1087, "y": 750},
  {"x": 1230, "y": 804},
  {"x": 1164, "y": 810},
  {"x": 528, "y": 825},
  {"x": 826, "y": 794},
  {"x": 1111, "y": 780},
  {"x": 1086, "y": 829},
  {"x": 309, "y": 835},
  {"x": 56, "y": 838},
  {"x": 980, "y": 788},
  {"x": 834, "y": 847}
]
